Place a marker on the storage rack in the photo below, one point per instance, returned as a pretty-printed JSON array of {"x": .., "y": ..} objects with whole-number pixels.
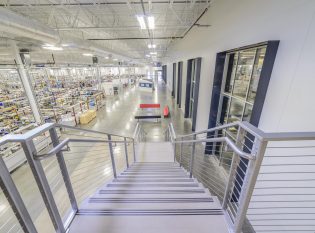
[{"x": 15, "y": 111}]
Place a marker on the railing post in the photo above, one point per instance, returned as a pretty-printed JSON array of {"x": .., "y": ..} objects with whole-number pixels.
[
  {"x": 165, "y": 136},
  {"x": 134, "y": 150},
  {"x": 180, "y": 154},
  {"x": 192, "y": 158},
  {"x": 174, "y": 150},
  {"x": 43, "y": 185},
  {"x": 15, "y": 200},
  {"x": 235, "y": 159},
  {"x": 126, "y": 152},
  {"x": 249, "y": 182},
  {"x": 112, "y": 155},
  {"x": 64, "y": 170}
]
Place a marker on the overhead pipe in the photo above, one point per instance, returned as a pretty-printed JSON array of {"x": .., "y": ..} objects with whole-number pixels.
[
  {"x": 139, "y": 38},
  {"x": 15, "y": 24},
  {"x": 20, "y": 26},
  {"x": 196, "y": 21},
  {"x": 101, "y": 3}
]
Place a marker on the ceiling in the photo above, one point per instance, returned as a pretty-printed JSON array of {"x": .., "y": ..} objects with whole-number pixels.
[{"x": 110, "y": 25}]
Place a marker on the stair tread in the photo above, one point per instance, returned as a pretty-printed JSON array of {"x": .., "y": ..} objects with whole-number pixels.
[
  {"x": 99, "y": 204},
  {"x": 151, "y": 176},
  {"x": 153, "y": 184},
  {"x": 139, "y": 195},
  {"x": 149, "y": 224},
  {"x": 153, "y": 196},
  {"x": 152, "y": 188},
  {"x": 149, "y": 180}
]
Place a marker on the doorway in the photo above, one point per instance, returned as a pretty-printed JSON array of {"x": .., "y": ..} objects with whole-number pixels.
[
  {"x": 174, "y": 80},
  {"x": 179, "y": 83},
  {"x": 192, "y": 90}
]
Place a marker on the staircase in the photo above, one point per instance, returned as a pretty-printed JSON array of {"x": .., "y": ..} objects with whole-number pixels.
[
  {"x": 156, "y": 194},
  {"x": 153, "y": 195}
]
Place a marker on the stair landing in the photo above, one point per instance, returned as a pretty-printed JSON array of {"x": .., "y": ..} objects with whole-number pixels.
[
  {"x": 155, "y": 152},
  {"x": 151, "y": 196}
]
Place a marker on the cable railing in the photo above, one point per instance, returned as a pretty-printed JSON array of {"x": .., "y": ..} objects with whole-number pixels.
[
  {"x": 264, "y": 181},
  {"x": 58, "y": 179}
]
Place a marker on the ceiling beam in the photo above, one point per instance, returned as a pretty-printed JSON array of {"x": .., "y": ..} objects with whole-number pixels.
[
  {"x": 100, "y": 3},
  {"x": 159, "y": 27},
  {"x": 138, "y": 38}
]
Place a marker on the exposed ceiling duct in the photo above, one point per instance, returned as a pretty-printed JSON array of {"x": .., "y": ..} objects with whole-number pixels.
[
  {"x": 18, "y": 27},
  {"x": 12, "y": 23}
]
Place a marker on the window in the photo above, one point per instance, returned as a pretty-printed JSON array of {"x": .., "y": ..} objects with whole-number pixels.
[
  {"x": 242, "y": 73},
  {"x": 241, "y": 79}
]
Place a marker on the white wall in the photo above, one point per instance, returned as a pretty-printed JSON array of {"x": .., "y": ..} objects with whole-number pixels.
[
  {"x": 244, "y": 22},
  {"x": 289, "y": 104},
  {"x": 169, "y": 76}
]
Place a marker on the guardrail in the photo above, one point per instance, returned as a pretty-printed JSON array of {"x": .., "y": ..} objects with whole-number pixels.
[
  {"x": 254, "y": 174},
  {"x": 77, "y": 162}
]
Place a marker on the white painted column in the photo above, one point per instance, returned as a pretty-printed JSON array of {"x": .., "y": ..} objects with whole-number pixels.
[
  {"x": 98, "y": 78},
  {"x": 26, "y": 83}
]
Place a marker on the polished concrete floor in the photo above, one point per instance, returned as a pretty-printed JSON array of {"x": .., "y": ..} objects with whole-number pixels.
[
  {"x": 87, "y": 165},
  {"x": 118, "y": 115}
]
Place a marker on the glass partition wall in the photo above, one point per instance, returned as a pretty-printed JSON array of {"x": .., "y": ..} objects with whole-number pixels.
[{"x": 240, "y": 81}]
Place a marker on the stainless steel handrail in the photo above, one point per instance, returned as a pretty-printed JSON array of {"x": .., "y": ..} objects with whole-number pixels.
[
  {"x": 237, "y": 153},
  {"x": 258, "y": 141},
  {"x": 232, "y": 145},
  {"x": 136, "y": 130},
  {"x": 65, "y": 142},
  {"x": 26, "y": 140},
  {"x": 139, "y": 132},
  {"x": 253, "y": 159},
  {"x": 209, "y": 130},
  {"x": 90, "y": 131}
]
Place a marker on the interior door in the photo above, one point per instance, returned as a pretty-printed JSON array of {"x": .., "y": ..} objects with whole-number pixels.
[{"x": 179, "y": 83}]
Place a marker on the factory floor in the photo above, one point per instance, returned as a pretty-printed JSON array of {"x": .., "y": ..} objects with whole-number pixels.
[{"x": 116, "y": 117}]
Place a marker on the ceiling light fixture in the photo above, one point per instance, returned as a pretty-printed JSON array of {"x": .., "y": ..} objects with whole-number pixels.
[
  {"x": 141, "y": 21},
  {"x": 87, "y": 54},
  {"x": 148, "y": 55},
  {"x": 106, "y": 58},
  {"x": 52, "y": 47},
  {"x": 115, "y": 59},
  {"x": 153, "y": 53},
  {"x": 151, "y": 46},
  {"x": 151, "y": 22}
]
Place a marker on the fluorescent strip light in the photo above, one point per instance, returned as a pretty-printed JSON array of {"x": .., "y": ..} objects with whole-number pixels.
[
  {"x": 151, "y": 46},
  {"x": 147, "y": 55},
  {"x": 153, "y": 53},
  {"x": 87, "y": 54},
  {"x": 115, "y": 59},
  {"x": 151, "y": 23},
  {"x": 141, "y": 21},
  {"x": 52, "y": 48}
]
